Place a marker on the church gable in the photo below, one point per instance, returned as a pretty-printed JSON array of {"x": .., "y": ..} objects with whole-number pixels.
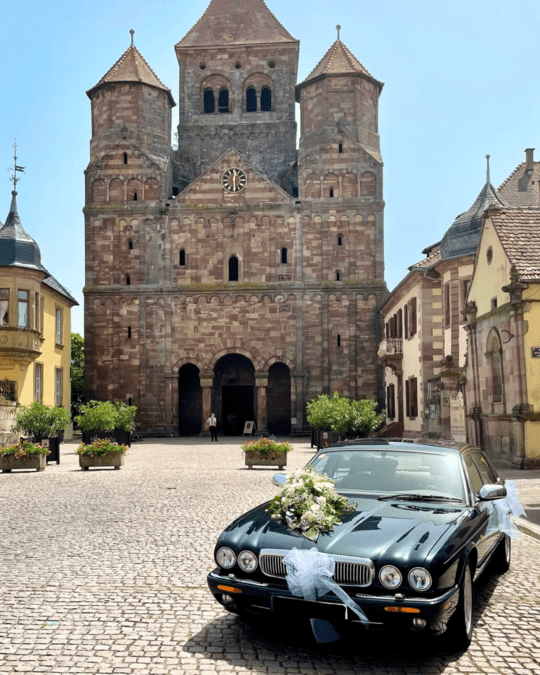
[
  {"x": 233, "y": 180},
  {"x": 126, "y": 157}
]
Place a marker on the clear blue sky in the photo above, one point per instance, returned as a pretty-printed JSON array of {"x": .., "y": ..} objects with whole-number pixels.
[{"x": 461, "y": 80}]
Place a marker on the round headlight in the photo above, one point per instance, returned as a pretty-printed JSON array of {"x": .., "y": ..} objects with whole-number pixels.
[
  {"x": 420, "y": 579},
  {"x": 225, "y": 558},
  {"x": 390, "y": 576},
  {"x": 247, "y": 561}
]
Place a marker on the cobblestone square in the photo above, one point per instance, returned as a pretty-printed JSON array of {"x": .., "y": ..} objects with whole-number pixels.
[{"x": 104, "y": 571}]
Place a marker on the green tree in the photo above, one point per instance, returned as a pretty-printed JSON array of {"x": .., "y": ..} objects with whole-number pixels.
[{"x": 77, "y": 373}]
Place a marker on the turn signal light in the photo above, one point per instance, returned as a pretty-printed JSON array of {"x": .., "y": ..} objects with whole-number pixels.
[
  {"x": 229, "y": 589},
  {"x": 403, "y": 610}
]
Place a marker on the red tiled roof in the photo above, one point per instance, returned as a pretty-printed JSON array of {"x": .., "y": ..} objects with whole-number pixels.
[{"x": 522, "y": 188}]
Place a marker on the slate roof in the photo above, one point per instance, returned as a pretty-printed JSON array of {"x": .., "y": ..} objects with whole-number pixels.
[
  {"x": 519, "y": 233},
  {"x": 339, "y": 60},
  {"x": 131, "y": 67},
  {"x": 522, "y": 188},
  {"x": 236, "y": 22},
  {"x": 463, "y": 236}
]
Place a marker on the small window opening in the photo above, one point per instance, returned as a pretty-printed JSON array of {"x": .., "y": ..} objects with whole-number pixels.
[
  {"x": 130, "y": 401},
  {"x": 340, "y": 148},
  {"x": 175, "y": 190},
  {"x": 251, "y": 100},
  {"x": 271, "y": 64},
  {"x": 209, "y": 102},
  {"x": 338, "y": 276},
  {"x": 134, "y": 196},
  {"x": 125, "y": 158},
  {"x": 223, "y": 101},
  {"x": 283, "y": 255},
  {"x": 129, "y": 332},
  {"x": 340, "y": 241},
  {"x": 238, "y": 65},
  {"x": 339, "y": 340},
  {"x": 182, "y": 257},
  {"x": 295, "y": 192},
  {"x": 128, "y": 280},
  {"x": 130, "y": 245},
  {"x": 202, "y": 66},
  {"x": 331, "y": 192},
  {"x": 266, "y": 99},
  {"x": 493, "y": 303},
  {"x": 233, "y": 268}
]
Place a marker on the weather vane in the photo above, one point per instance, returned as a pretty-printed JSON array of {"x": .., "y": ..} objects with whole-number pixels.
[{"x": 14, "y": 179}]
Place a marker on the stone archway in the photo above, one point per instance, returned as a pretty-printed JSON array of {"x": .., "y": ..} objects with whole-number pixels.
[
  {"x": 190, "y": 418},
  {"x": 233, "y": 397}
]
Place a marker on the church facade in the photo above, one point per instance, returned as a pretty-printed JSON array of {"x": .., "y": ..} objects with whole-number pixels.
[{"x": 234, "y": 273}]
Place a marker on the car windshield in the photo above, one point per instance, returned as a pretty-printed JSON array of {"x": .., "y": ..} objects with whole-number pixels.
[{"x": 399, "y": 472}]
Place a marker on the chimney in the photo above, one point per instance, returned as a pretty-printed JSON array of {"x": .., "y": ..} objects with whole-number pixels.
[{"x": 529, "y": 160}]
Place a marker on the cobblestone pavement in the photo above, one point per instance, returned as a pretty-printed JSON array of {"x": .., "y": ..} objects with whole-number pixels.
[{"x": 104, "y": 571}]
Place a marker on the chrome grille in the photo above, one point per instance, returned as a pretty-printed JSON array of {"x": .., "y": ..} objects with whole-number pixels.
[{"x": 349, "y": 571}]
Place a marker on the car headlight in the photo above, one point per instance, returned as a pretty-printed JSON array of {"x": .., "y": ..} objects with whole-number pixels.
[
  {"x": 390, "y": 576},
  {"x": 420, "y": 579},
  {"x": 247, "y": 561},
  {"x": 225, "y": 558}
]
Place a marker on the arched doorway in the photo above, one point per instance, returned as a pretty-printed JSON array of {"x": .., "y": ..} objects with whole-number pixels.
[
  {"x": 189, "y": 400},
  {"x": 234, "y": 393},
  {"x": 278, "y": 399}
]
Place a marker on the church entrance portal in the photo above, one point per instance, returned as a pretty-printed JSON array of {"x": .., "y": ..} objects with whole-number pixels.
[
  {"x": 234, "y": 392},
  {"x": 189, "y": 400}
]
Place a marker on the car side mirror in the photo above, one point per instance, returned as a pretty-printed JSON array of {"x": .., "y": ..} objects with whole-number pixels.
[
  {"x": 491, "y": 492},
  {"x": 279, "y": 478}
]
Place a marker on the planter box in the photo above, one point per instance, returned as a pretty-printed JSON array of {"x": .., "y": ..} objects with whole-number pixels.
[
  {"x": 254, "y": 458},
  {"x": 53, "y": 443},
  {"x": 326, "y": 438},
  {"x": 10, "y": 462},
  {"x": 115, "y": 459},
  {"x": 121, "y": 437}
]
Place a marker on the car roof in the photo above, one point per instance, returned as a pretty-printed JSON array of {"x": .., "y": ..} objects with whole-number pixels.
[{"x": 418, "y": 445}]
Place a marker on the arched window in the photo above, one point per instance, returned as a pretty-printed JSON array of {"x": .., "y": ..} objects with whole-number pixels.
[
  {"x": 125, "y": 158},
  {"x": 233, "y": 268},
  {"x": 251, "y": 100},
  {"x": 209, "y": 101},
  {"x": 223, "y": 101},
  {"x": 338, "y": 275},
  {"x": 284, "y": 255},
  {"x": 495, "y": 357},
  {"x": 130, "y": 244},
  {"x": 128, "y": 280},
  {"x": 182, "y": 257},
  {"x": 340, "y": 240},
  {"x": 340, "y": 148},
  {"x": 367, "y": 184},
  {"x": 266, "y": 99}
]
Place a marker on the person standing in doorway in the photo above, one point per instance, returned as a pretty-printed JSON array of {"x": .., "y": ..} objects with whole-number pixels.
[{"x": 212, "y": 425}]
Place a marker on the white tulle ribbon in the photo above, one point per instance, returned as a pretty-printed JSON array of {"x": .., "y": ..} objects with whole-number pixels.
[
  {"x": 309, "y": 575},
  {"x": 501, "y": 509}
]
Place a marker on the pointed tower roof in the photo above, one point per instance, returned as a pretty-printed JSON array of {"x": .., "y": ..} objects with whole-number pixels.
[
  {"x": 236, "y": 22},
  {"x": 339, "y": 60},
  {"x": 131, "y": 67},
  {"x": 463, "y": 236},
  {"x": 17, "y": 248}
]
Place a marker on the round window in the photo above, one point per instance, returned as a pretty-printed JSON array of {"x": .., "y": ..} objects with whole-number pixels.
[
  {"x": 237, "y": 65},
  {"x": 271, "y": 64},
  {"x": 489, "y": 255},
  {"x": 202, "y": 66}
]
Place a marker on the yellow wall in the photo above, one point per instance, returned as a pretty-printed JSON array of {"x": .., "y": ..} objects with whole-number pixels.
[{"x": 532, "y": 339}]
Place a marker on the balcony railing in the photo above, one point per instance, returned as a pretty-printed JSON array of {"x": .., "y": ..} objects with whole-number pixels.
[
  {"x": 19, "y": 345},
  {"x": 391, "y": 347}
]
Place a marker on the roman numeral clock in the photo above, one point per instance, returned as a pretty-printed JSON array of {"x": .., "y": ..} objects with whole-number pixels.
[{"x": 233, "y": 180}]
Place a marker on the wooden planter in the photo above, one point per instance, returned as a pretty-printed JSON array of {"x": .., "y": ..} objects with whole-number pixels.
[
  {"x": 254, "y": 458},
  {"x": 10, "y": 463},
  {"x": 115, "y": 459}
]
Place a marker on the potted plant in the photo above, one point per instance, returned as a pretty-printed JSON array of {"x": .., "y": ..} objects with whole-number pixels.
[
  {"x": 103, "y": 419},
  {"x": 101, "y": 452},
  {"x": 266, "y": 452},
  {"x": 43, "y": 425},
  {"x": 23, "y": 455}
]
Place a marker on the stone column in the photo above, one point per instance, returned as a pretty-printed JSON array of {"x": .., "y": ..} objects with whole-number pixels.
[
  {"x": 207, "y": 381},
  {"x": 261, "y": 382}
]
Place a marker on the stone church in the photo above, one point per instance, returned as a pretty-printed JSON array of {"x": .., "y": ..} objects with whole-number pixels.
[{"x": 234, "y": 272}]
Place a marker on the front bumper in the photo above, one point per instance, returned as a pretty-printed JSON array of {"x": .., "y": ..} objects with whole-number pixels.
[{"x": 268, "y": 599}]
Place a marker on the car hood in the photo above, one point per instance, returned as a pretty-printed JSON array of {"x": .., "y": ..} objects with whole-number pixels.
[{"x": 400, "y": 532}]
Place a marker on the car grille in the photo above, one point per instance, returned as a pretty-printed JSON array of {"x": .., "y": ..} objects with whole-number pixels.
[{"x": 349, "y": 571}]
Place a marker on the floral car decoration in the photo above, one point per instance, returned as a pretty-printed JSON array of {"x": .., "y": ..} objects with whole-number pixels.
[
  {"x": 100, "y": 447},
  {"x": 266, "y": 446},
  {"x": 308, "y": 502},
  {"x": 22, "y": 449}
]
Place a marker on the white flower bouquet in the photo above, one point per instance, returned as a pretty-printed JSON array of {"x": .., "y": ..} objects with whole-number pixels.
[{"x": 308, "y": 502}]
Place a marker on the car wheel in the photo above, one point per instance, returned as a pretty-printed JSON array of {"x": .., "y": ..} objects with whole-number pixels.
[
  {"x": 460, "y": 626},
  {"x": 500, "y": 563}
]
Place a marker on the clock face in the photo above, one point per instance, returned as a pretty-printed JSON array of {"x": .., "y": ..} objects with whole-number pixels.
[{"x": 234, "y": 180}]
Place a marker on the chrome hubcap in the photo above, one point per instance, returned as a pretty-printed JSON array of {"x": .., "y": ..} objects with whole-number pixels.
[{"x": 467, "y": 600}]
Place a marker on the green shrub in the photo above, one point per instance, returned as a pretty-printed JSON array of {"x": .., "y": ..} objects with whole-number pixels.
[
  {"x": 343, "y": 415},
  {"x": 125, "y": 416},
  {"x": 39, "y": 421},
  {"x": 97, "y": 416}
]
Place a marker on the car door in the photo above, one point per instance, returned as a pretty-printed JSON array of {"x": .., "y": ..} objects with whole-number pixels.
[{"x": 483, "y": 509}]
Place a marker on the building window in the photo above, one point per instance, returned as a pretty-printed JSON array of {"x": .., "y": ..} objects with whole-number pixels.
[
  {"x": 340, "y": 148},
  {"x": 340, "y": 240},
  {"x": 233, "y": 268},
  {"x": 125, "y": 158},
  {"x": 283, "y": 255},
  {"x": 182, "y": 257},
  {"x": 223, "y": 101},
  {"x": 128, "y": 280},
  {"x": 129, "y": 332},
  {"x": 130, "y": 245},
  {"x": 251, "y": 100},
  {"x": 331, "y": 193},
  {"x": 38, "y": 382},
  {"x": 493, "y": 303},
  {"x": 410, "y": 318},
  {"x": 4, "y": 306},
  {"x": 465, "y": 286},
  {"x": 58, "y": 386},
  {"x": 495, "y": 360},
  {"x": 390, "y": 402},
  {"x": 411, "y": 397},
  {"x": 58, "y": 330},
  {"x": 22, "y": 321},
  {"x": 338, "y": 275},
  {"x": 447, "y": 312},
  {"x": 209, "y": 102},
  {"x": 339, "y": 340},
  {"x": 400, "y": 324},
  {"x": 266, "y": 99},
  {"x": 406, "y": 321}
]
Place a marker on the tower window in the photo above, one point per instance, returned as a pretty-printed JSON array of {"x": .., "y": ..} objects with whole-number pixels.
[
  {"x": 130, "y": 245},
  {"x": 339, "y": 340},
  {"x": 340, "y": 241},
  {"x": 130, "y": 401},
  {"x": 331, "y": 192},
  {"x": 338, "y": 275},
  {"x": 209, "y": 101},
  {"x": 135, "y": 196},
  {"x": 223, "y": 101},
  {"x": 238, "y": 65},
  {"x": 266, "y": 99},
  {"x": 251, "y": 100},
  {"x": 128, "y": 280},
  {"x": 182, "y": 257},
  {"x": 233, "y": 268},
  {"x": 129, "y": 332},
  {"x": 271, "y": 64},
  {"x": 125, "y": 158},
  {"x": 340, "y": 148},
  {"x": 283, "y": 255}
]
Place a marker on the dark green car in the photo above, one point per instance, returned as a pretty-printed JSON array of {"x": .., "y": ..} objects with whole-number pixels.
[{"x": 410, "y": 564}]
